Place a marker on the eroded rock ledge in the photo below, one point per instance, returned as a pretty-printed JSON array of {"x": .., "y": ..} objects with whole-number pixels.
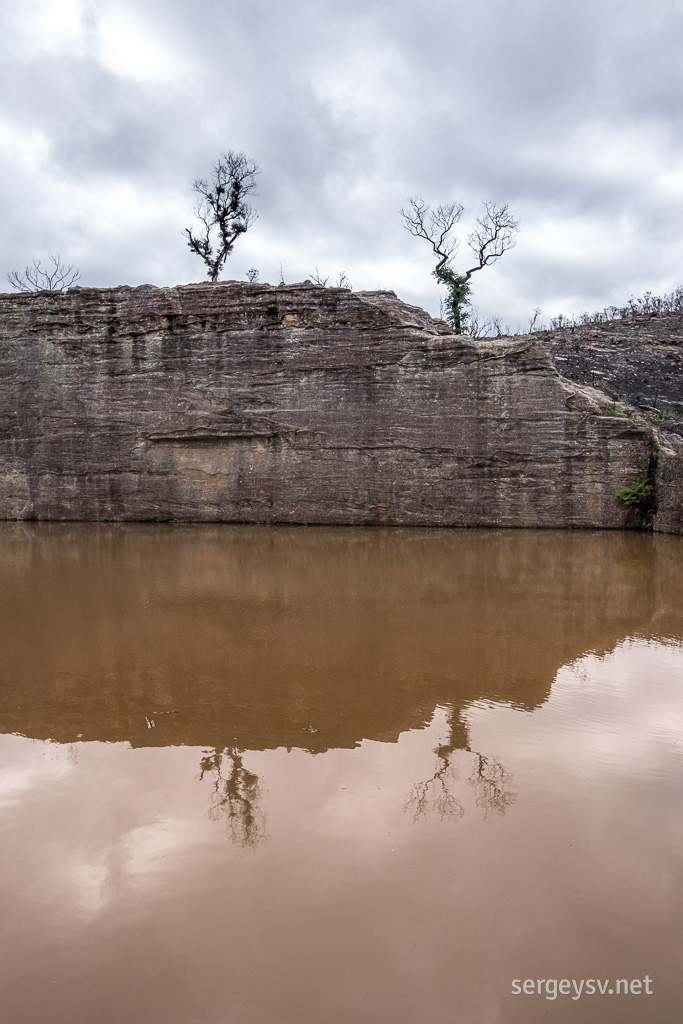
[{"x": 302, "y": 404}]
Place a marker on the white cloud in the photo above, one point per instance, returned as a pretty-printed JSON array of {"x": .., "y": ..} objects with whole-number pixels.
[
  {"x": 24, "y": 151},
  {"x": 128, "y": 44},
  {"x": 574, "y": 118},
  {"x": 45, "y": 27}
]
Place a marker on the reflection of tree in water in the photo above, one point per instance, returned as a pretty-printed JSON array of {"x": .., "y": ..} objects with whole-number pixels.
[
  {"x": 236, "y": 794},
  {"x": 491, "y": 782},
  {"x": 434, "y": 796}
]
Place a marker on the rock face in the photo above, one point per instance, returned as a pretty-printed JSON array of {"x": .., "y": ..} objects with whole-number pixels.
[
  {"x": 669, "y": 485},
  {"x": 300, "y": 404},
  {"x": 638, "y": 360}
]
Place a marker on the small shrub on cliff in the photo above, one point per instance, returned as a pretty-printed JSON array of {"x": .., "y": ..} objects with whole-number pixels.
[
  {"x": 457, "y": 298},
  {"x": 638, "y": 495},
  {"x": 342, "y": 280},
  {"x": 649, "y": 305}
]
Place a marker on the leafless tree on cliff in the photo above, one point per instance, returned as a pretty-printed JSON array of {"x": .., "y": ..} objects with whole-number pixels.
[
  {"x": 56, "y": 278},
  {"x": 492, "y": 237},
  {"x": 222, "y": 209},
  {"x": 342, "y": 280},
  {"x": 435, "y": 226}
]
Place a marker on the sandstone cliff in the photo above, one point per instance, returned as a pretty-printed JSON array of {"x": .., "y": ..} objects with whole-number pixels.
[{"x": 300, "y": 404}]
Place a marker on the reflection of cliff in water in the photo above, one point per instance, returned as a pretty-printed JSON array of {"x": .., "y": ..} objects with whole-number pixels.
[{"x": 310, "y": 637}]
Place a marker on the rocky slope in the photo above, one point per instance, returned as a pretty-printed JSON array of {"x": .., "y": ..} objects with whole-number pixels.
[
  {"x": 301, "y": 404},
  {"x": 638, "y": 360}
]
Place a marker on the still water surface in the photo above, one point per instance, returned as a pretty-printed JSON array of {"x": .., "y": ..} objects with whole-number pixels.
[{"x": 405, "y": 768}]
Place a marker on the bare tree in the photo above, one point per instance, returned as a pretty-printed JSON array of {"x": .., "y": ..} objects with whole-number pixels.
[
  {"x": 492, "y": 237},
  {"x": 223, "y": 210},
  {"x": 342, "y": 280},
  {"x": 533, "y": 319},
  {"x": 56, "y": 278},
  {"x": 435, "y": 226},
  {"x": 317, "y": 278},
  {"x": 492, "y": 327}
]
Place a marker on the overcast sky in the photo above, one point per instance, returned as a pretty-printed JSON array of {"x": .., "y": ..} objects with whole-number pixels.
[{"x": 571, "y": 111}]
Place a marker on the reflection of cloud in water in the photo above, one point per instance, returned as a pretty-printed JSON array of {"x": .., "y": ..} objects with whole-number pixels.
[
  {"x": 150, "y": 848},
  {"x": 607, "y": 715},
  {"x": 618, "y": 713},
  {"x": 16, "y": 782},
  {"x": 87, "y": 803},
  {"x": 629, "y": 690},
  {"x": 91, "y": 886},
  {"x": 142, "y": 857}
]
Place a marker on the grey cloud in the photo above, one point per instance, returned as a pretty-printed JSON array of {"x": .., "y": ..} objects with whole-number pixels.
[{"x": 349, "y": 109}]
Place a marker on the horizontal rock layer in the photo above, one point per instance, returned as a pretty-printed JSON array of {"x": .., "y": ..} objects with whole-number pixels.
[{"x": 299, "y": 404}]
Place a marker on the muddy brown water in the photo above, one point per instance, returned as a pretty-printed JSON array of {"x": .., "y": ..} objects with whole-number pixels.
[{"x": 407, "y": 772}]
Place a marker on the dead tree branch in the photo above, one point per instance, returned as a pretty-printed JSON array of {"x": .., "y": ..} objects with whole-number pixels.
[{"x": 35, "y": 278}]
